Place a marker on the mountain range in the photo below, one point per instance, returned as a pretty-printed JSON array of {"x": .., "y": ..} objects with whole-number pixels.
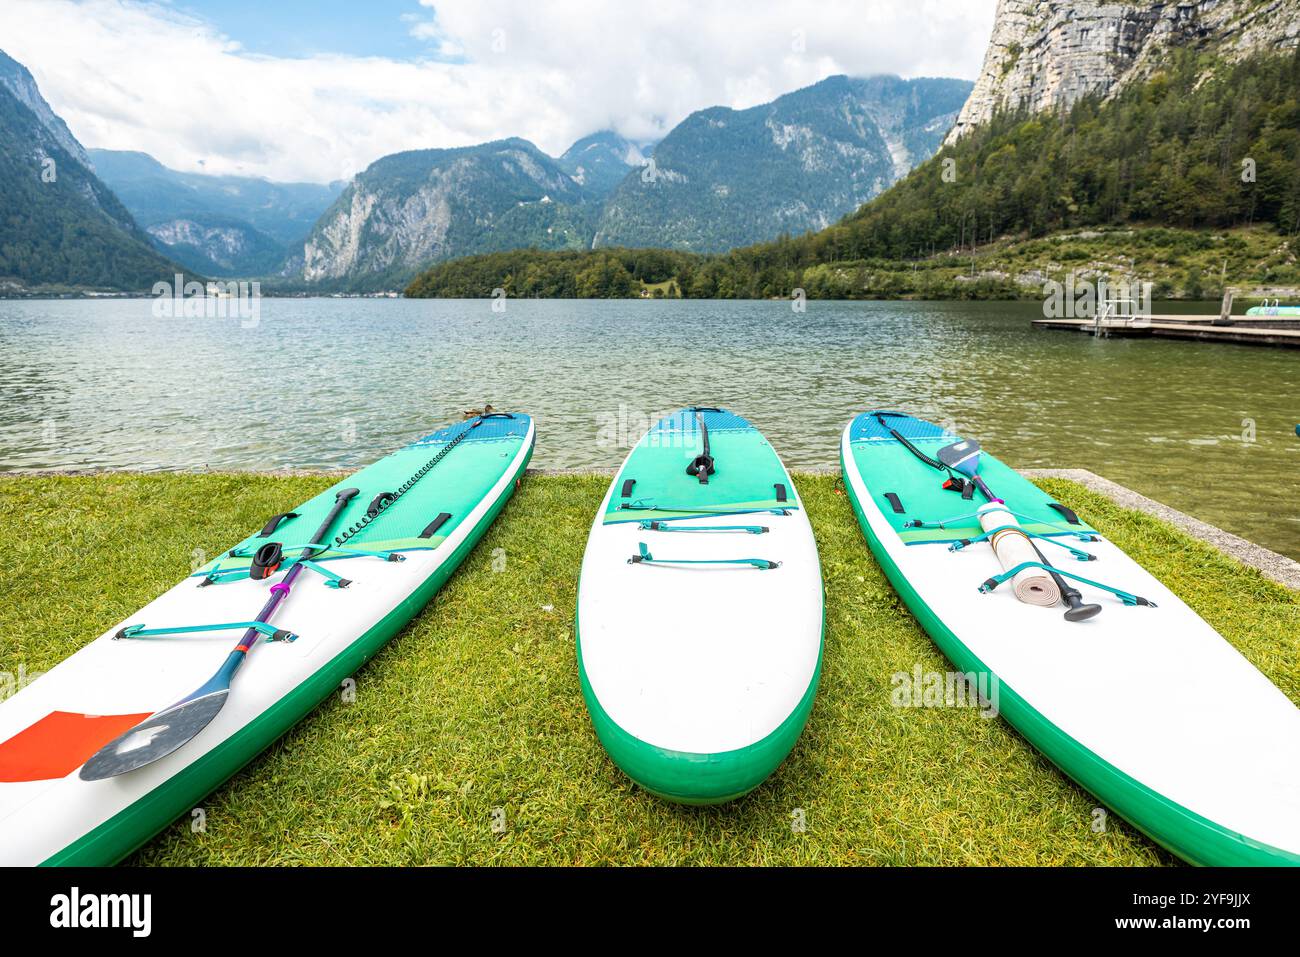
[
  {"x": 721, "y": 178},
  {"x": 1151, "y": 138},
  {"x": 216, "y": 225},
  {"x": 725, "y": 178}
]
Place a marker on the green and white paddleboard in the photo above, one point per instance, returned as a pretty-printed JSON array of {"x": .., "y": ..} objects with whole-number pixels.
[
  {"x": 395, "y": 554},
  {"x": 1144, "y": 705},
  {"x": 700, "y": 611}
]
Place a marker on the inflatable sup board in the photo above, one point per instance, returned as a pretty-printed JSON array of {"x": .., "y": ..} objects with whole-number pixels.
[
  {"x": 1105, "y": 671},
  {"x": 700, "y": 611},
  {"x": 129, "y": 733}
]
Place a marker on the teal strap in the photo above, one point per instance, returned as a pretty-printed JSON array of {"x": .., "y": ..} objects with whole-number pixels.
[
  {"x": 646, "y": 558},
  {"x": 248, "y": 551},
  {"x": 662, "y": 525},
  {"x": 238, "y": 574},
  {"x": 215, "y": 577},
  {"x": 331, "y": 580},
  {"x": 270, "y": 632},
  {"x": 1126, "y": 597},
  {"x": 386, "y": 556},
  {"x": 974, "y": 517},
  {"x": 1078, "y": 553},
  {"x": 640, "y": 506}
]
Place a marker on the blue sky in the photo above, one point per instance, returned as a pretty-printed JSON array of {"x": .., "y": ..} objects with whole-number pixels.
[
  {"x": 301, "y": 28},
  {"x": 293, "y": 90}
]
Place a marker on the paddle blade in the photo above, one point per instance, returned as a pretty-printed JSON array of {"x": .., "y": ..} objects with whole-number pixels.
[
  {"x": 154, "y": 738},
  {"x": 963, "y": 457}
]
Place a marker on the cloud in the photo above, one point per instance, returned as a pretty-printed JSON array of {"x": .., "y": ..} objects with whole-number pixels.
[{"x": 134, "y": 74}]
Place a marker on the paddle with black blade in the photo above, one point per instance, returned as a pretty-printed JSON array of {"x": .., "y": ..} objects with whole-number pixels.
[
  {"x": 964, "y": 457},
  {"x": 172, "y": 728}
]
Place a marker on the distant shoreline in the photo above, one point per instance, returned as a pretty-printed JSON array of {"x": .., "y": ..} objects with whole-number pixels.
[{"x": 1239, "y": 305}]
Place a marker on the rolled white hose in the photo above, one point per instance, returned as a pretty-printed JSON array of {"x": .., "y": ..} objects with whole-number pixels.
[{"x": 1033, "y": 586}]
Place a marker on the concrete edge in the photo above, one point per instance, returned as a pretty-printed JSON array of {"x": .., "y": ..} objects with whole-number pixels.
[
  {"x": 1279, "y": 568},
  {"x": 1270, "y": 564}
]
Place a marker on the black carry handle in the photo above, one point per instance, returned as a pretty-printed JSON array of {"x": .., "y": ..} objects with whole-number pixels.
[
  {"x": 378, "y": 502},
  {"x": 437, "y": 523},
  {"x": 1066, "y": 512},
  {"x": 269, "y": 529}
]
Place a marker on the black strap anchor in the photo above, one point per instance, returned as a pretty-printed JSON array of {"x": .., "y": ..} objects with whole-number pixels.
[
  {"x": 702, "y": 465},
  {"x": 266, "y": 561}
]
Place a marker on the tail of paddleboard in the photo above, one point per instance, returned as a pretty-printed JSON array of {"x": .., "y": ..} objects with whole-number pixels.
[
  {"x": 415, "y": 516},
  {"x": 1143, "y": 704},
  {"x": 700, "y": 611}
]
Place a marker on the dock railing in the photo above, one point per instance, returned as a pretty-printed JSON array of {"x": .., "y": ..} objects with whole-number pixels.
[{"x": 1119, "y": 312}]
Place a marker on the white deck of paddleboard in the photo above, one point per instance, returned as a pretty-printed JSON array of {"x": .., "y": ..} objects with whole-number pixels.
[
  {"x": 701, "y": 658},
  {"x": 130, "y": 676},
  {"x": 1156, "y": 692}
]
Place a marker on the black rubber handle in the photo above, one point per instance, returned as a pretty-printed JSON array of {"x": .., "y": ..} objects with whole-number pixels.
[
  {"x": 1077, "y": 611},
  {"x": 269, "y": 528},
  {"x": 378, "y": 502}
]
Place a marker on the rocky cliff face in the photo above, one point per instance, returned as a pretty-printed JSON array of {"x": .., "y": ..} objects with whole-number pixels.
[
  {"x": 411, "y": 209},
  {"x": 17, "y": 80},
  {"x": 1045, "y": 54},
  {"x": 219, "y": 249}
]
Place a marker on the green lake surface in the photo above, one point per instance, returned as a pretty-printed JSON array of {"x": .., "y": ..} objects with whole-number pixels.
[{"x": 335, "y": 383}]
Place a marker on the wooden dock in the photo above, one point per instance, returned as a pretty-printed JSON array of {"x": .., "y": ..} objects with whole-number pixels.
[{"x": 1248, "y": 330}]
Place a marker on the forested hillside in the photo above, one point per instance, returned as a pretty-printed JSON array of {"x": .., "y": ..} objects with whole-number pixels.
[{"x": 60, "y": 226}]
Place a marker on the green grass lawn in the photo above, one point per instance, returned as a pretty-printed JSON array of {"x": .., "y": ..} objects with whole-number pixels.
[{"x": 473, "y": 714}]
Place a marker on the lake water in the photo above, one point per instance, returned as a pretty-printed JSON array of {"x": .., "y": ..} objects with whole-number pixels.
[{"x": 326, "y": 383}]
